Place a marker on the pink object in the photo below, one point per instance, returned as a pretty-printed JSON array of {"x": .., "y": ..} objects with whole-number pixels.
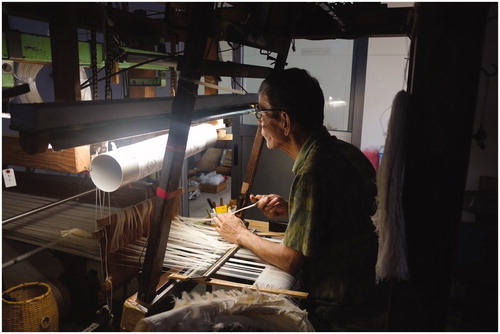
[{"x": 373, "y": 156}]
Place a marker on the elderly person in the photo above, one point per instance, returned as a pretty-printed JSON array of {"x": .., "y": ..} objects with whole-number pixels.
[{"x": 330, "y": 244}]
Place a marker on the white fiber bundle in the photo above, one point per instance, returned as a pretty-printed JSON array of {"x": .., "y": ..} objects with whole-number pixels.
[
  {"x": 234, "y": 310},
  {"x": 389, "y": 218}
]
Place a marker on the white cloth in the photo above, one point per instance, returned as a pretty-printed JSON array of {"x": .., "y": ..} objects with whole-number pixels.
[{"x": 234, "y": 310}]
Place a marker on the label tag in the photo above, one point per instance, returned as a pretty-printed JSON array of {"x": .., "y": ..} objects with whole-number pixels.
[{"x": 9, "y": 178}]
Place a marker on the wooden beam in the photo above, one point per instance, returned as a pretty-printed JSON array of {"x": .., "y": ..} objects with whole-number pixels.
[
  {"x": 250, "y": 172},
  {"x": 182, "y": 111},
  {"x": 236, "y": 285}
]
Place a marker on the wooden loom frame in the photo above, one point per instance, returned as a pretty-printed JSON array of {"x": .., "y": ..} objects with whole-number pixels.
[
  {"x": 182, "y": 110},
  {"x": 151, "y": 292}
]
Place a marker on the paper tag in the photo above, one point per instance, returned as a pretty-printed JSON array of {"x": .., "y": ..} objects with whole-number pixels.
[{"x": 9, "y": 178}]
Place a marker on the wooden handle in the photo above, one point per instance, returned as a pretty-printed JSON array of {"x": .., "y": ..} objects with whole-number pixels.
[{"x": 229, "y": 284}]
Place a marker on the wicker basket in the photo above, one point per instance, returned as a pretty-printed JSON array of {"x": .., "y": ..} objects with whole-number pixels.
[{"x": 29, "y": 307}]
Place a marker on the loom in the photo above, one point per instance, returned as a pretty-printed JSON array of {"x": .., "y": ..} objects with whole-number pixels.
[
  {"x": 270, "y": 26},
  {"x": 193, "y": 244},
  {"x": 118, "y": 237}
]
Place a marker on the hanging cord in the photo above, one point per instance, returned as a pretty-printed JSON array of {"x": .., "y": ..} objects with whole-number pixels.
[
  {"x": 99, "y": 213},
  {"x": 173, "y": 73},
  {"x": 109, "y": 301},
  {"x": 93, "y": 63},
  {"x": 108, "y": 64}
]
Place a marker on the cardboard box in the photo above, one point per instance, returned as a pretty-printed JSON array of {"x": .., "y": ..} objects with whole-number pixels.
[{"x": 210, "y": 188}]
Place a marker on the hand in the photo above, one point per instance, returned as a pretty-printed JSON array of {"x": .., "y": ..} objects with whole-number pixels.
[
  {"x": 229, "y": 227},
  {"x": 272, "y": 205}
]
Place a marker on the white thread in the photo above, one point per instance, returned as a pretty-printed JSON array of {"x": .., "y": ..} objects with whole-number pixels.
[
  {"x": 389, "y": 218},
  {"x": 192, "y": 246}
]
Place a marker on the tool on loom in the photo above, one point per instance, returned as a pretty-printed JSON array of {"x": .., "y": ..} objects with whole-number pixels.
[
  {"x": 206, "y": 276},
  {"x": 225, "y": 257},
  {"x": 210, "y": 203},
  {"x": 224, "y": 209},
  {"x": 246, "y": 207}
]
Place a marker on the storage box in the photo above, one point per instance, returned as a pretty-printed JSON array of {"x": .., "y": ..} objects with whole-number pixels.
[{"x": 214, "y": 189}]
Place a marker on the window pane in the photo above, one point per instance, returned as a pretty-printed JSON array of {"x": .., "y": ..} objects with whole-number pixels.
[{"x": 330, "y": 61}]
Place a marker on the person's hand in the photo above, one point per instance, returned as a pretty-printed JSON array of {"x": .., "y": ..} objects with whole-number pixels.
[
  {"x": 229, "y": 227},
  {"x": 272, "y": 205}
]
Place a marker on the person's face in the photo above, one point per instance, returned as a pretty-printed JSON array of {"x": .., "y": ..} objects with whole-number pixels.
[{"x": 271, "y": 128}]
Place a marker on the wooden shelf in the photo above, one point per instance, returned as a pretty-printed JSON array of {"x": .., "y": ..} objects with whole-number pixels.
[{"x": 72, "y": 160}]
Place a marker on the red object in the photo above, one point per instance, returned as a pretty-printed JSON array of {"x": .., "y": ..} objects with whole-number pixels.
[{"x": 373, "y": 156}]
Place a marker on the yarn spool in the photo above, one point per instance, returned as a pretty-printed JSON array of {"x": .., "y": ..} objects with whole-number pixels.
[{"x": 29, "y": 307}]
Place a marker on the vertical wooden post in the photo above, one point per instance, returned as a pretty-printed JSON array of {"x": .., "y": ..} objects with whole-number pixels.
[
  {"x": 182, "y": 111},
  {"x": 65, "y": 55},
  {"x": 249, "y": 177}
]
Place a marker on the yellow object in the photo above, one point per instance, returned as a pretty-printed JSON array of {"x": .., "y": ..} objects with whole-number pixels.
[{"x": 221, "y": 209}]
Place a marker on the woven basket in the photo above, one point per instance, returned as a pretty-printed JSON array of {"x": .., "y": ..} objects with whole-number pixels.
[{"x": 29, "y": 307}]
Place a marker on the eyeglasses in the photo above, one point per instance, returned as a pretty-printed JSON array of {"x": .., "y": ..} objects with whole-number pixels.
[{"x": 259, "y": 112}]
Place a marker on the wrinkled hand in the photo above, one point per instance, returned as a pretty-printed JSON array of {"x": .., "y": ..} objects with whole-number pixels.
[
  {"x": 272, "y": 205},
  {"x": 229, "y": 227}
]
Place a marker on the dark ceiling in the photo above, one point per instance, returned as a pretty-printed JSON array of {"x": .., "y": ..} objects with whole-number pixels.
[{"x": 303, "y": 20}]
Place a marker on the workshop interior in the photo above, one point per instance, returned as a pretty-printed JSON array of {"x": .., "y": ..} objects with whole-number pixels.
[{"x": 122, "y": 120}]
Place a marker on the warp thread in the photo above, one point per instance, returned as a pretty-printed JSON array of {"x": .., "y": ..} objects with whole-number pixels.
[
  {"x": 131, "y": 223},
  {"x": 193, "y": 246}
]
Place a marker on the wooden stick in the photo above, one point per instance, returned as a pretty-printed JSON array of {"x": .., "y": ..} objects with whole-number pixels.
[{"x": 229, "y": 284}]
